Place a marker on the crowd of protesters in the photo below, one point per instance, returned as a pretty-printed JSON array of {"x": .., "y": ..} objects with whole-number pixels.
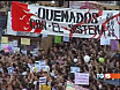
[{"x": 59, "y": 58}]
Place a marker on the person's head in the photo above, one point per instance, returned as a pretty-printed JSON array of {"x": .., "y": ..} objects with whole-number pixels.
[
  {"x": 43, "y": 51},
  {"x": 1, "y": 64},
  {"x": 39, "y": 52},
  {"x": 69, "y": 58},
  {"x": 30, "y": 61},
  {"x": 60, "y": 87},
  {"x": 71, "y": 77},
  {"x": 118, "y": 64},
  {"x": 45, "y": 73},
  {"x": 56, "y": 72},
  {"x": 69, "y": 52},
  {"x": 90, "y": 46},
  {"x": 54, "y": 84},
  {"x": 59, "y": 57},
  {"x": 84, "y": 47},
  {"x": 85, "y": 68},
  {"x": 55, "y": 49},
  {"x": 107, "y": 60},
  {"x": 61, "y": 79},
  {"x": 14, "y": 82}
]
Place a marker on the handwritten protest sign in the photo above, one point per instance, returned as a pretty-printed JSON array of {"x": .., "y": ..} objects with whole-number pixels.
[
  {"x": 15, "y": 43},
  {"x": 46, "y": 87},
  {"x": 4, "y": 40},
  {"x": 66, "y": 39},
  {"x": 74, "y": 69},
  {"x": 25, "y": 41},
  {"x": 104, "y": 41},
  {"x": 82, "y": 78},
  {"x": 115, "y": 45},
  {"x": 58, "y": 39},
  {"x": 72, "y": 86},
  {"x": 10, "y": 70},
  {"x": 41, "y": 65}
]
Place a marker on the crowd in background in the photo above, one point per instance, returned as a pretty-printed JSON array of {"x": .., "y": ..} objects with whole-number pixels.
[
  {"x": 59, "y": 58},
  {"x": 4, "y": 4}
]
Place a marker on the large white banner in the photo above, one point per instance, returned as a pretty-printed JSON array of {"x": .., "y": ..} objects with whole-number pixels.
[{"x": 73, "y": 22}]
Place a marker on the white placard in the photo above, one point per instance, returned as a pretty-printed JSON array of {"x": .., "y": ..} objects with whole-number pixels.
[
  {"x": 24, "y": 52},
  {"x": 15, "y": 43},
  {"x": 41, "y": 64},
  {"x": 104, "y": 41},
  {"x": 82, "y": 78},
  {"x": 44, "y": 35},
  {"x": 66, "y": 39},
  {"x": 16, "y": 49},
  {"x": 10, "y": 70},
  {"x": 74, "y": 69}
]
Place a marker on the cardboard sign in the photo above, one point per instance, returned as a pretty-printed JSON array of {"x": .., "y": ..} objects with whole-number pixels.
[
  {"x": 58, "y": 39},
  {"x": 46, "y": 87},
  {"x": 25, "y": 41},
  {"x": 4, "y": 40}
]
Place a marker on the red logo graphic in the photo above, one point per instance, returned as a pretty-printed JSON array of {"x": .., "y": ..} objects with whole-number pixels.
[{"x": 21, "y": 18}]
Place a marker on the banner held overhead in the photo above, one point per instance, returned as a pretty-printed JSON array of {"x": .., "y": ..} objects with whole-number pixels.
[{"x": 65, "y": 21}]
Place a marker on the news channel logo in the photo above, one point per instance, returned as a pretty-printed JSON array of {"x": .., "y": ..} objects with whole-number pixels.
[{"x": 103, "y": 76}]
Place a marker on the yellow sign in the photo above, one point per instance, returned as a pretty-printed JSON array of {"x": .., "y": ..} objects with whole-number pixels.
[
  {"x": 25, "y": 41},
  {"x": 4, "y": 40},
  {"x": 46, "y": 87}
]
